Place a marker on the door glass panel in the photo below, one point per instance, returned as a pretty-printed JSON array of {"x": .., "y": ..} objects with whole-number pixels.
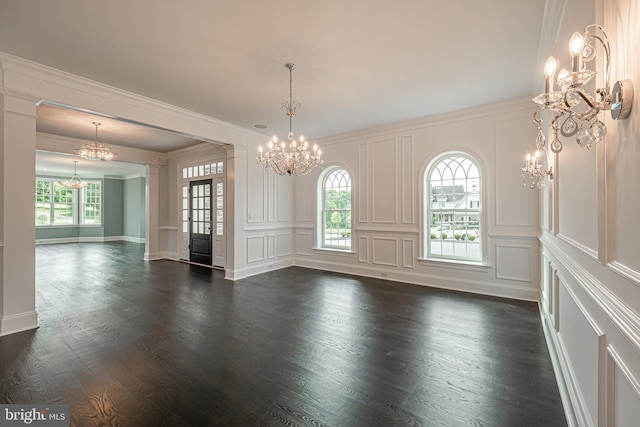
[
  {"x": 219, "y": 189},
  {"x": 219, "y": 229},
  {"x": 220, "y": 167},
  {"x": 207, "y": 169},
  {"x": 201, "y": 170},
  {"x": 219, "y": 202},
  {"x": 219, "y": 215}
]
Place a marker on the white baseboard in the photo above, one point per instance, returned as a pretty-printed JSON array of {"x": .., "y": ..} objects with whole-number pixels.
[
  {"x": 99, "y": 239},
  {"x": 18, "y": 323},
  {"x": 481, "y": 287},
  {"x": 559, "y": 367}
]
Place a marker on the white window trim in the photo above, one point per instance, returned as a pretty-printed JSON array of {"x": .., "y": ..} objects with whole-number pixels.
[
  {"x": 320, "y": 246},
  {"x": 425, "y": 229},
  {"x": 78, "y": 205}
]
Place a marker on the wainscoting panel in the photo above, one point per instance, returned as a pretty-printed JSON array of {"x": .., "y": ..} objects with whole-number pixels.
[
  {"x": 514, "y": 262},
  {"x": 408, "y": 253},
  {"x": 255, "y": 248},
  {"x": 385, "y": 251},
  {"x": 623, "y": 391},
  {"x": 284, "y": 244},
  {"x": 363, "y": 249},
  {"x": 271, "y": 246},
  {"x": 582, "y": 351},
  {"x": 303, "y": 243}
]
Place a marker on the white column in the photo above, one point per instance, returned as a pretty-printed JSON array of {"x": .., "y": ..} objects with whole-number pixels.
[
  {"x": 152, "y": 207},
  {"x": 17, "y": 213},
  {"x": 236, "y": 211}
]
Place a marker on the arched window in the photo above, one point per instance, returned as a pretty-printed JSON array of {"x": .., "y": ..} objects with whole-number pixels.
[
  {"x": 335, "y": 215},
  {"x": 453, "y": 208}
]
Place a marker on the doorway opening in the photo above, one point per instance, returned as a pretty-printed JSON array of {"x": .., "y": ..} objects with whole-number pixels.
[{"x": 202, "y": 237}]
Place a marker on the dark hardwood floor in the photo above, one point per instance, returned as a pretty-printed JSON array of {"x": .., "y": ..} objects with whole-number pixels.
[{"x": 133, "y": 343}]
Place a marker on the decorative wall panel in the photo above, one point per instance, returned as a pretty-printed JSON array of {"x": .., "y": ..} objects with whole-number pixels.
[
  {"x": 284, "y": 244},
  {"x": 581, "y": 343},
  {"x": 513, "y": 262},
  {"x": 515, "y": 205},
  {"x": 363, "y": 182},
  {"x": 363, "y": 249},
  {"x": 408, "y": 253},
  {"x": 408, "y": 182},
  {"x": 304, "y": 243},
  {"x": 255, "y": 248},
  {"x": 623, "y": 392},
  {"x": 385, "y": 251},
  {"x": 383, "y": 184}
]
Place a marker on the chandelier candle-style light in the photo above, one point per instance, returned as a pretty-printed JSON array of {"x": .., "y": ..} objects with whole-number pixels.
[
  {"x": 74, "y": 181},
  {"x": 95, "y": 150},
  {"x": 294, "y": 159},
  {"x": 575, "y": 110},
  {"x": 534, "y": 171}
]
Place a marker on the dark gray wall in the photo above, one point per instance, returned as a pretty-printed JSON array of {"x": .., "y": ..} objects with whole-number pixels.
[
  {"x": 134, "y": 208},
  {"x": 115, "y": 198},
  {"x": 113, "y": 207}
]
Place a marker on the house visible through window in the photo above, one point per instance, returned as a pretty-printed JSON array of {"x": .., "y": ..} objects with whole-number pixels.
[
  {"x": 453, "y": 208},
  {"x": 56, "y": 204},
  {"x": 336, "y": 210}
]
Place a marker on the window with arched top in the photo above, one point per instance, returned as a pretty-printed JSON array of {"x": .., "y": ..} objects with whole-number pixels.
[
  {"x": 453, "y": 208},
  {"x": 335, "y": 211}
]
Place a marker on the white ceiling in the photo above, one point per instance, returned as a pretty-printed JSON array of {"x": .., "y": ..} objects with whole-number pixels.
[{"x": 359, "y": 63}]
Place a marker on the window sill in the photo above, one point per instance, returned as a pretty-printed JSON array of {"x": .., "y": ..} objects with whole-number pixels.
[
  {"x": 452, "y": 263},
  {"x": 69, "y": 226},
  {"x": 335, "y": 251}
]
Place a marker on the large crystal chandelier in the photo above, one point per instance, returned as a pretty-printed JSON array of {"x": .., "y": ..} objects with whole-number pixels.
[
  {"x": 575, "y": 110},
  {"x": 74, "y": 181},
  {"x": 95, "y": 150},
  {"x": 294, "y": 159}
]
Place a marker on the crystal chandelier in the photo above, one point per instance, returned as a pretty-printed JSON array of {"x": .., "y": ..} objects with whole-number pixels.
[
  {"x": 74, "y": 181},
  {"x": 575, "y": 110},
  {"x": 95, "y": 150},
  {"x": 294, "y": 159}
]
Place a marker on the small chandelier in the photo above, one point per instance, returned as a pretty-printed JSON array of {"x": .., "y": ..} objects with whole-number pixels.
[
  {"x": 534, "y": 172},
  {"x": 575, "y": 111},
  {"x": 74, "y": 181},
  {"x": 295, "y": 159},
  {"x": 95, "y": 150}
]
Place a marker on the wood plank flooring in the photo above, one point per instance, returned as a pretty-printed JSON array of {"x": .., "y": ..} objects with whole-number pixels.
[{"x": 133, "y": 343}]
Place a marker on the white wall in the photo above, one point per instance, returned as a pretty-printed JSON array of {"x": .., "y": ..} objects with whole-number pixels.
[
  {"x": 590, "y": 288},
  {"x": 387, "y": 166}
]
